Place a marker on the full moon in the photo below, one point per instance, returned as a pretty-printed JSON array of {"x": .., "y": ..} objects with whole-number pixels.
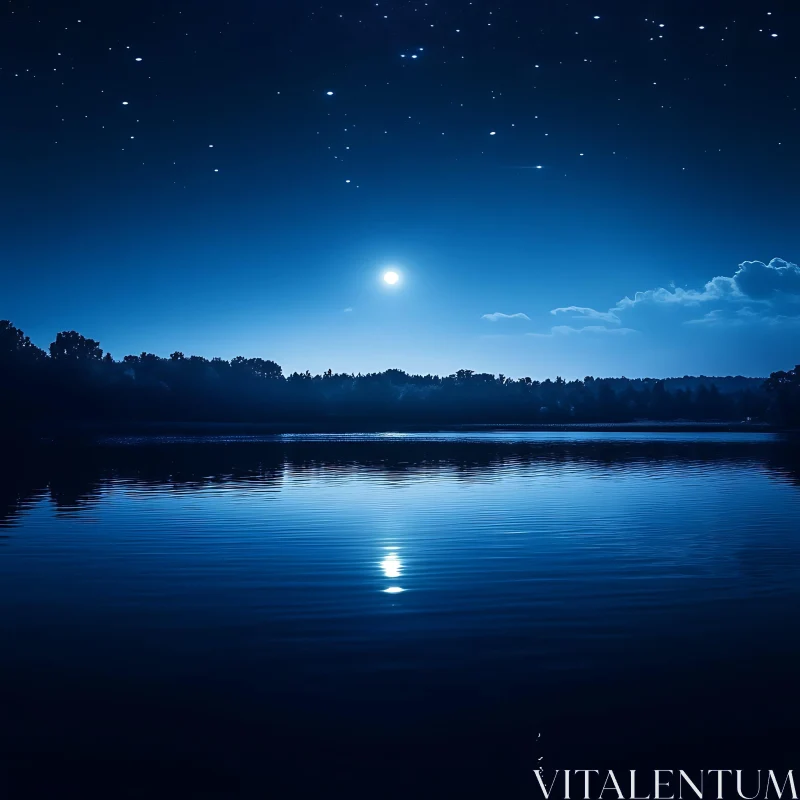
[{"x": 391, "y": 277}]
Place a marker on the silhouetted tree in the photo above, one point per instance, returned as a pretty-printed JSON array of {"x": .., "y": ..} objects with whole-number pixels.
[
  {"x": 258, "y": 367},
  {"x": 15, "y": 346},
  {"x": 71, "y": 346},
  {"x": 784, "y": 388}
]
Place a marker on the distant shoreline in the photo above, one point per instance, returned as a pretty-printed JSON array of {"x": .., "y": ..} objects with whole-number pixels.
[{"x": 92, "y": 431}]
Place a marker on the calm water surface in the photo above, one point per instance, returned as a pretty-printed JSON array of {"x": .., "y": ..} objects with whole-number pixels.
[{"x": 393, "y": 614}]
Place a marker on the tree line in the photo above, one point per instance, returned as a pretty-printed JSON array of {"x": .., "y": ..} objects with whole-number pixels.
[{"x": 75, "y": 381}]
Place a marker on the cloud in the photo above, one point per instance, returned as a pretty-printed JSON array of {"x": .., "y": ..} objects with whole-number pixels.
[
  {"x": 743, "y": 316},
  {"x": 715, "y": 317},
  {"x": 498, "y": 316},
  {"x": 782, "y": 319},
  {"x": 763, "y": 281},
  {"x": 567, "y": 330},
  {"x": 581, "y": 312},
  {"x": 716, "y": 289},
  {"x": 773, "y": 288},
  {"x": 348, "y": 310}
]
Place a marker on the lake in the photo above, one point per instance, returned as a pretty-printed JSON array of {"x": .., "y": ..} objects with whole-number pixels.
[{"x": 393, "y": 614}]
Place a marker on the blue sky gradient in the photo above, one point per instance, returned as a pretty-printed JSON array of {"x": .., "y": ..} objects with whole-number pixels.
[{"x": 659, "y": 174}]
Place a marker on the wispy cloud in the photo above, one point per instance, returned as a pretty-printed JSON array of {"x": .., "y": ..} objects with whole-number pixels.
[
  {"x": 348, "y": 310},
  {"x": 715, "y": 317},
  {"x": 581, "y": 312},
  {"x": 743, "y": 316},
  {"x": 567, "y": 330},
  {"x": 497, "y": 316}
]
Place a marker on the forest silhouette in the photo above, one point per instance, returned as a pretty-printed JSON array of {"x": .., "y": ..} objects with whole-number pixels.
[{"x": 75, "y": 382}]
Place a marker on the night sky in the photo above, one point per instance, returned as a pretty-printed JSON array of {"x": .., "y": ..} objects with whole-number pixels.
[{"x": 564, "y": 188}]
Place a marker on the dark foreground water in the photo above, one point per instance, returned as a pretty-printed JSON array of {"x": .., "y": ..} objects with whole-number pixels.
[{"x": 386, "y": 616}]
